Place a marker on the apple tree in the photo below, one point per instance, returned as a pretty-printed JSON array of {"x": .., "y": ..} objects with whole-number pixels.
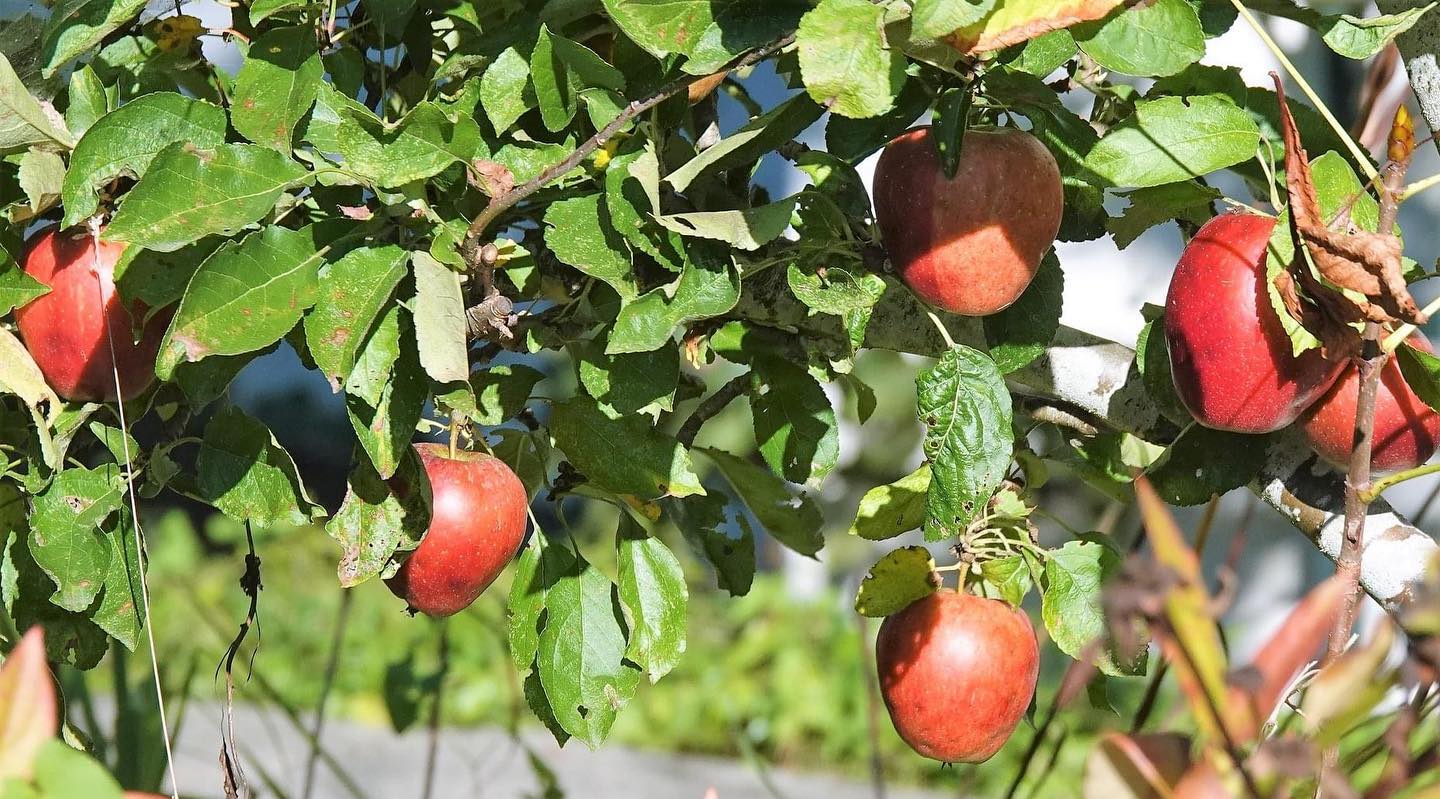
[{"x": 436, "y": 203}]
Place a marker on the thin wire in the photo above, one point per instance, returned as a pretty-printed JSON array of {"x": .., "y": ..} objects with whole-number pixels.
[{"x": 140, "y": 553}]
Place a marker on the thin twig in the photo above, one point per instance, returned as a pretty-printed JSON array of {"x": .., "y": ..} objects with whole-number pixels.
[
  {"x": 342, "y": 620},
  {"x": 470, "y": 248},
  {"x": 711, "y": 407}
]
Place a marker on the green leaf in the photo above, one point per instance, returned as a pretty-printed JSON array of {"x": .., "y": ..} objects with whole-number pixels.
[
  {"x": 261, "y": 10},
  {"x": 560, "y": 69},
  {"x": 1350, "y": 36},
  {"x": 838, "y": 291},
  {"x": 440, "y": 320},
  {"x": 1172, "y": 139},
  {"x": 1075, "y": 575},
  {"x": 652, "y": 588},
  {"x": 126, "y": 141},
  {"x": 708, "y": 287},
  {"x": 794, "y": 521},
  {"x": 1152, "y": 360},
  {"x": 65, "y": 536},
  {"x": 1360, "y": 38},
  {"x": 374, "y": 522},
  {"x": 895, "y": 581},
  {"x": 1160, "y": 38},
  {"x": 702, "y": 521},
  {"x": 847, "y": 65},
  {"x": 554, "y": 92},
  {"x": 191, "y": 192},
  {"x": 747, "y": 229},
  {"x": 247, "y": 475},
  {"x": 368, "y": 379},
  {"x": 502, "y": 391},
  {"x": 1045, "y": 54},
  {"x": 624, "y": 456},
  {"x": 505, "y": 90},
  {"x": 385, "y": 429},
  {"x": 1422, "y": 373},
  {"x": 935, "y": 19},
  {"x": 795, "y": 426},
  {"x": 710, "y": 32},
  {"x": 1009, "y": 576},
  {"x": 965, "y": 406},
  {"x": 69, "y": 637},
  {"x": 632, "y": 195},
  {"x": 756, "y": 138},
  {"x": 578, "y": 231},
  {"x": 581, "y": 654},
  {"x": 1204, "y": 462},
  {"x": 856, "y": 139},
  {"x": 17, "y": 288},
  {"x": 631, "y": 382},
  {"x": 889, "y": 510},
  {"x": 1019, "y": 334},
  {"x": 244, "y": 297},
  {"x": 23, "y": 123},
  {"x": 121, "y": 610},
  {"x": 61, "y": 771},
  {"x": 526, "y": 606},
  {"x": 351, "y": 295},
  {"x": 1187, "y": 200},
  {"x": 20, "y": 376},
  {"x": 40, "y": 175},
  {"x": 76, "y": 26},
  {"x": 421, "y": 145},
  {"x": 276, "y": 86}
]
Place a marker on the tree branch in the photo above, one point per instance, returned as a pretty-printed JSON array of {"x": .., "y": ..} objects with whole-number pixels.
[
  {"x": 470, "y": 248},
  {"x": 1098, "y": 377}
]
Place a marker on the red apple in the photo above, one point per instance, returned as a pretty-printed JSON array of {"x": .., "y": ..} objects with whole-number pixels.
[
  {"x": 1407, "y": 431},
  {"x": 65, "y": 330},
  {"x": 1230, "y": 358},
  {"x": 957, "y": 672},
  {"x": 477, "y": 522},
  {"x": 972, "y": 244}
]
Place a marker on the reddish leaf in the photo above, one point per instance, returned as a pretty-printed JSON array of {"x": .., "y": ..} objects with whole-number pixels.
[
  {"x": 1135, "y": 767},
  {"x": 1192, "y": 642},
  {"x": 1018, "y": 21},
  {"x": 1292, "y": 646},
  {"x": 27, "y": 705}
]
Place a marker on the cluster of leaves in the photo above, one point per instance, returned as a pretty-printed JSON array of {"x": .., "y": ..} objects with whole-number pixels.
[{"x": 321, "y": 193}]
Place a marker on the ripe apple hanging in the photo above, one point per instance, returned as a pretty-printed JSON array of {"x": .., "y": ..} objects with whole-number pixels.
[
  {"x": 65, "y": 330},
  {"x": 1229, "y": 354},
  {"x": 957, "y": 672},
  {"x": 477, "y": 523},
  {"x": 972, "y": 244}
]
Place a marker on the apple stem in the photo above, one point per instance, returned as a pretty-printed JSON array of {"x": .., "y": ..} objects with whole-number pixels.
[
  {"x": 944, "y": 331},
  {"x": 454, "y": 432}
]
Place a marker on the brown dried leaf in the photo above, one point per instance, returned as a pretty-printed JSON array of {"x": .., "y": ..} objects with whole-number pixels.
[{"x": 1357, "y": 260}]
